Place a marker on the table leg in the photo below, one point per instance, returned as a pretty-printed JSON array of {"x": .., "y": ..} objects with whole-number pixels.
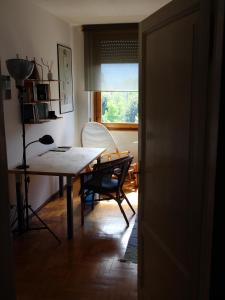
[
  {"x": 69, "y": 188},
  {"x": 60, "y": 186},
  {"x": 19, "y": 203}
]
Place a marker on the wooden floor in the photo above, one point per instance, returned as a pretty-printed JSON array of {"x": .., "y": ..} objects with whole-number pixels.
[{"x": 85, "y": 268}]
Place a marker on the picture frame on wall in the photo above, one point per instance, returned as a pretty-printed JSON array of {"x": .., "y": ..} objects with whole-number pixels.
[{"x": 64, "y": 55}]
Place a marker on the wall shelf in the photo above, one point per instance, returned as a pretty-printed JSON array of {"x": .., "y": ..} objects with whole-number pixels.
[
  {"x": 42, "y": 80},
  {"x": 42, "y": 121},
  {"x": 42, "y": 101},
  {"x": 37, "y": 103}
]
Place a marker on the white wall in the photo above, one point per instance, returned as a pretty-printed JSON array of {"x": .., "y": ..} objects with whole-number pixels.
[
  {"x": 83, "y": 103},
  {"x": 30, "y": 31},
  {"x": 126, "y": 140}
]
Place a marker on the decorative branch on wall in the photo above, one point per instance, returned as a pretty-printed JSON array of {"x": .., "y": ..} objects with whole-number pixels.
[
  {"x": 35, "y": 74},
  {"x": 49, "y": 67}
]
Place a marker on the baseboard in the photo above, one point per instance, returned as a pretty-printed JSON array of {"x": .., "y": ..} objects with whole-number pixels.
[
  {"x": 52, "y": 197},
  {"x": 49, "y": 199}
]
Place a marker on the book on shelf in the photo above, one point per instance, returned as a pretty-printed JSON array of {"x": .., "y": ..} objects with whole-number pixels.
[
  {"x": 31, "y": 113},
  {"x": 42, "y": 109},
  {"x": 36, "y": 115},
  {"x": 28, "y": 113},
  {"x": 43, "y": 92},
  {"x": 34, "y": 92},
  {"x": 29, "y": 91}
]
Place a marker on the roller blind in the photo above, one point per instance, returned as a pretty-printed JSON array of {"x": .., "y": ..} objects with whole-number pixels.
[{"x": 111, "y": 57}]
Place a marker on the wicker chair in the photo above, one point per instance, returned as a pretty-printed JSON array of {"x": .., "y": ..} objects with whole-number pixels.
[{"x": 95, "y": 134}]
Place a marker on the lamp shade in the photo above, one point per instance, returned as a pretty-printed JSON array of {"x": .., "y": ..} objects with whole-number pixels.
[
  {"x": 46, "y": 140},
  {"x": 19, "y": 69}
]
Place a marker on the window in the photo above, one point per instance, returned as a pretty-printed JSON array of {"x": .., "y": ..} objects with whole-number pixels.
[
  {"x": 117, "y": 110},
  {"x": 119, "y": 107},
  {"x": 118, "y": 103},
  {"x": 111, "y": 71}
]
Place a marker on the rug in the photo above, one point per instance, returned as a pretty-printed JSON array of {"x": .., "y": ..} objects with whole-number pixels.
[{"x": 131, "y": 251}]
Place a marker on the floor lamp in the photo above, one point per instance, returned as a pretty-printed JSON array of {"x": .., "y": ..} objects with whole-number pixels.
[{"x": 20, "y": 69}]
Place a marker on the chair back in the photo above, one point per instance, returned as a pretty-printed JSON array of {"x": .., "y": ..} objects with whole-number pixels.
[
  {"x": 95, "y": 134},
  {"x": 117, "y": 168}
]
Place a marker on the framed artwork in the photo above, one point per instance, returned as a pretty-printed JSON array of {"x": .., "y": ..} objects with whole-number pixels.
[{"x": 65, "y": 78}]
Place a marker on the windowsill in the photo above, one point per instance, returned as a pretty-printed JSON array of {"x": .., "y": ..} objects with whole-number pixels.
[{"x": 121, "y": 126}]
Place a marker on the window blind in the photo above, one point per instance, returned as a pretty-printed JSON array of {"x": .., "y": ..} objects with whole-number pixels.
[{"x": 111, "y": 57}]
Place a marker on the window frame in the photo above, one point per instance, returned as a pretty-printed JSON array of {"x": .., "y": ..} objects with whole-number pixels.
[{"x": 110, "y": 126}]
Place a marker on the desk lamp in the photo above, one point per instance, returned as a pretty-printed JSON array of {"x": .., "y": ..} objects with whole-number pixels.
[
  {"x": 45, "y": 140},
  {"x": 20, "y": 69}
]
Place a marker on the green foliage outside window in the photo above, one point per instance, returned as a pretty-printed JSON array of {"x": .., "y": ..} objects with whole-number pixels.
[{"x": 119, "y": 107}]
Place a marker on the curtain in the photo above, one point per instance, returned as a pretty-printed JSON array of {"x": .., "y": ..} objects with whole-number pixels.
[{"x": 111, "y": 57}]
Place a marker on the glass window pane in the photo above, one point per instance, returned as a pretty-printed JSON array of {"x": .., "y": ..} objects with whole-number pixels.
[
  {"x": 119, "y": 107},
  {"x": 119, "y": 77}
]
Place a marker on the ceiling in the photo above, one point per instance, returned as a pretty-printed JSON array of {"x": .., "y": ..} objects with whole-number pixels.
[{"x": 79, "y": 12}]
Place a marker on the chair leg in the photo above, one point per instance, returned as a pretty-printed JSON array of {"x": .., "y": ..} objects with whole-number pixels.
[
  {"x": 124, "y": 215},
  {"x": 93, "y": 200},
  {"x": 92, "y": 204},
  {"x": 82, "y": 210},
  {"x": 128, "y": 202}
]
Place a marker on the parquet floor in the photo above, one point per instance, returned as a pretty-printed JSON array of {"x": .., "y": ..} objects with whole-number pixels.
[{"x": 85, "y": 268}]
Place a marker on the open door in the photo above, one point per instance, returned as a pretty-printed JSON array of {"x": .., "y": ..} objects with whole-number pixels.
[
  {"x": 177, "y": 151},
  {"x": 7, "y": 283}
]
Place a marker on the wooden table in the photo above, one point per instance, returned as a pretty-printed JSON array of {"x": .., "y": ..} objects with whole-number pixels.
[{"x": 53, "y": 163}]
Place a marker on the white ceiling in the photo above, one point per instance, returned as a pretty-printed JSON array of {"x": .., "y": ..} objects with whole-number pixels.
[{"x": 79, "y": 12}]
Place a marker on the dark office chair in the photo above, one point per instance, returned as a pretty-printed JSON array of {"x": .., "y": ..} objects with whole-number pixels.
[{"x": 107, "y": 180}]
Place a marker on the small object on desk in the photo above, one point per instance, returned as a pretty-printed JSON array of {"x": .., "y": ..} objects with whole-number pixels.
[
  {"x": 60, "y": 149},
  {"x": 65, "y": 147},
  {"x": 43, "y": 153}
]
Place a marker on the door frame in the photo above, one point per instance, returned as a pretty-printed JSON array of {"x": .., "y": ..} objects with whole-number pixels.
[
  {"x": 213, "y": 16},
  {"x": 7, "y": 282},
  {"x": 217, "y": 288}
]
